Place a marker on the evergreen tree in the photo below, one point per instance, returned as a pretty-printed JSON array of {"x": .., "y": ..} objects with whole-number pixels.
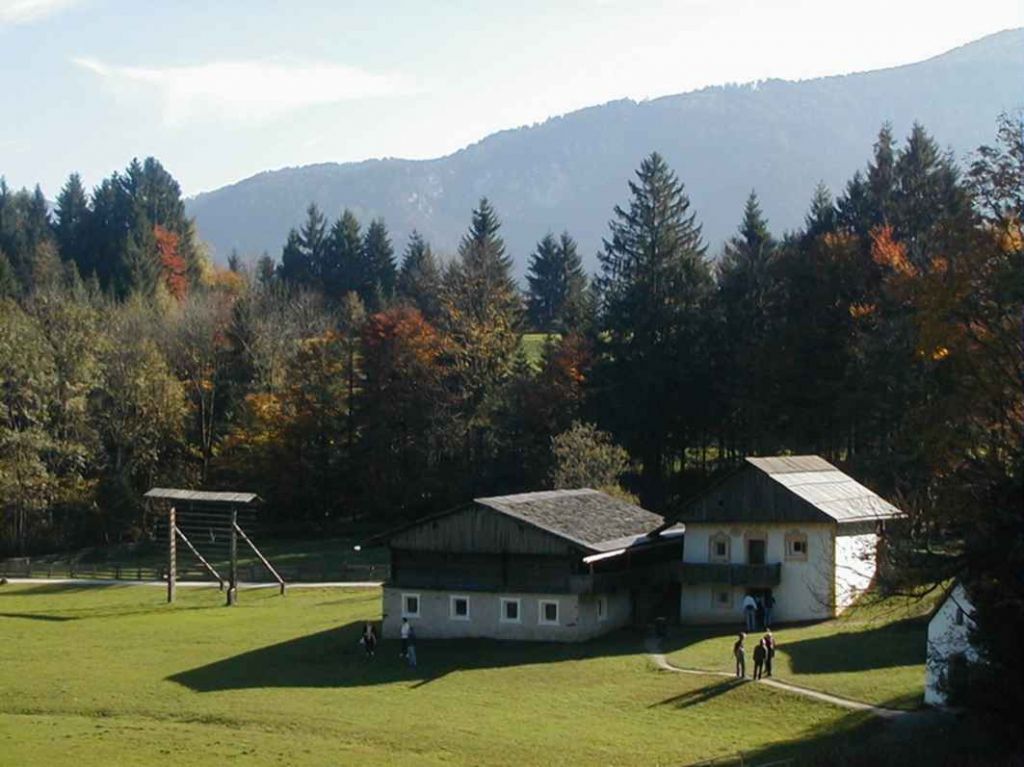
[
  {"x": 481, "y": 312},
  {"x": 295, "y": 267},
  {"x": 748, "y": 296},
  {"x": 379, "y": 266},
  {"x": 344, "y": 269},
  {"x": 72, "y": 224},
  {"x": 655, "y": 282},
  {"x": 557, "y": 285},
  {"x": 419, "y": 279},
  {"x": 822, "y": 216},
  {"x": 313, "y": 242}
]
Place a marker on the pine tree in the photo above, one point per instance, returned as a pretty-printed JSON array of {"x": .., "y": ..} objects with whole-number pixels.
[
  {"x": 655, "y": 282},
  {"x": 71, "y": 227},
  {"x": 343, "y": 267},
  {"x": 557, "y": 285},
  {"x": 748, "y": 293},
  {"x": 419, "y": 279},
  {"x": 481, "y": 311},
  {"x": 313, "y": 241},
  {"x": 379, "y": 266},
  {"x": 295, "y": 267},
  {"x": 822, "y": 216}
]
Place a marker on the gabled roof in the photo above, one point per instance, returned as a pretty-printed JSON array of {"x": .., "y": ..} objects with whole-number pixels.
[
  {"x": 829, "y": 490},
  {"x": 799, "y": 488},
  {"x": 589, "y": 518}
]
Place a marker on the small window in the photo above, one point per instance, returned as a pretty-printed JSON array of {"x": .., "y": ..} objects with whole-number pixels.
[
  {"x": 796, "y": 546},
  {"x": 458, "y": 608},
  {"x": 959, "y": 620},
  {"x": 602, "y": 609},
  {"x": 721, "y": 597},
  {"x": 410, "y": 605},
  {"x": 548, "y": 613},
  {"x": 510, "y": 611},
  {"x": 718, "y": 548}
]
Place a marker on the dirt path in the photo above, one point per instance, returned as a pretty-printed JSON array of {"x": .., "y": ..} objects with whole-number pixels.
[{"x": 661, "y": 661}]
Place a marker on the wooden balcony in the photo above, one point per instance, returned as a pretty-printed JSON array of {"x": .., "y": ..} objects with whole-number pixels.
[{"x": 760, "y": 576}]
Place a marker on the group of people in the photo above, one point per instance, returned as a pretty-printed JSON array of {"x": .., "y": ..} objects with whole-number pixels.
[
  {"x": 764, "y": 654},
  {"x": 757, "y": 611},
  {"x": 407, "y": 634}
]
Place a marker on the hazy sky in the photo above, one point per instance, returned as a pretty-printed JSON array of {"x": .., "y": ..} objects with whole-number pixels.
[{"x": 221, "y": 90}]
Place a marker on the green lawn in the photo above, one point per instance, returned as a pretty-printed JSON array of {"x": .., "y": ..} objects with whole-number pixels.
[
  {"x": 533, "y": 346},
  {"x": 110, "y": 675},
  {"x": 874, "y": 652}
]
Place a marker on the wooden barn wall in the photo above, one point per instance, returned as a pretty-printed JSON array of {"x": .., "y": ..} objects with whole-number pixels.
[
  {"x": 479, "y": 530},
  {"x": 751, "y": 496},
  {"x": 480, "y": 572}
]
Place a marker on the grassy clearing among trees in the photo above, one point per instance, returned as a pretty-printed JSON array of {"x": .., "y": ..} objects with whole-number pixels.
[{"x": 104, "y": 675}]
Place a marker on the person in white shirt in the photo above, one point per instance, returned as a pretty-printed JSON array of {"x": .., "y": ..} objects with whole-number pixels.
[
  {"x": 750, "y": 611},
  {"x": 404, "y": 634}
]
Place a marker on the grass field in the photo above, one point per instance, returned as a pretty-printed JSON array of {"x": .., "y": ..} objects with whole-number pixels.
[
  {"x": 874, "y": 652},
  {"x": 109, "y": 675}
]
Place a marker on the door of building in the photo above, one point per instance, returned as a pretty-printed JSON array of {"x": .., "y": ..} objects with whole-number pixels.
[{"x": 755, "y": 551}]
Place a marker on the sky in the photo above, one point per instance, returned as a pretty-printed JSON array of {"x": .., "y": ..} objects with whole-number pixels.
[{"x": 219, "y": 91}]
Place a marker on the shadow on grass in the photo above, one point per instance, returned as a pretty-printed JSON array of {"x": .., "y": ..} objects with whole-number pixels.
[
  {"x": 37, "y": 617},
  {"x": 334, "y": 658},
  {"x": 700, "y": 695},
  {"x": 928, "y": 739},
  {"x": 38, "y": 589},
  {"x": 901, "y": 643}
]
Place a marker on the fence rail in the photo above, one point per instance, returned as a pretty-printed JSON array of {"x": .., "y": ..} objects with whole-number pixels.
[{"x": 25, "y": 567}]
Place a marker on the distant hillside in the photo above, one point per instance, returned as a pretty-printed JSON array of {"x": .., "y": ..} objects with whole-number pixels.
[{"x": 778, "y": 137}]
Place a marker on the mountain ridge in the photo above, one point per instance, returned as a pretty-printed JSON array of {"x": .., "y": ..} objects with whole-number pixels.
[{"x": 567, "y": 172}]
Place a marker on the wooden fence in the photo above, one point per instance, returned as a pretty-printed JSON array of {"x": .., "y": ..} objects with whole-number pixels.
[{"x": 25, "y": 567}]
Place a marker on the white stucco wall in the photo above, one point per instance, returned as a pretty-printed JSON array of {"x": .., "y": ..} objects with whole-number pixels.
[
  {"x": 577, "y": 615},
  {"x": 947, "y": 638},
  {"x": 805, "y": 587},
  {"x": 855, "y": 567}
]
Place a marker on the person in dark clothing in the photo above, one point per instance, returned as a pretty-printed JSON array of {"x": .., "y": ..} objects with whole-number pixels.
[
  {"x": 759, "y": 612},
  {"x": 769, "y": 646},
  {"x": 760, "y": 653},
  {"x": 369, "y": 640},
  {"x": 410, "y": 649},
  {"x": 769, "y": 604},
  {"x": 741, "y": 656}
]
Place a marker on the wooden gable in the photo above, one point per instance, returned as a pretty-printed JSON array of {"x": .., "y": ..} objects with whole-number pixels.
[
  {"x": 750, "y": 495},
  {"x": 478, "y": 529}
]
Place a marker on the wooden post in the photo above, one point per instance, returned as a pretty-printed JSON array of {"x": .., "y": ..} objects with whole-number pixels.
[
  {"x": 266, "y": 563},
  {"x": 233, "y": 576},
  {"x": 172, "y": 527}
]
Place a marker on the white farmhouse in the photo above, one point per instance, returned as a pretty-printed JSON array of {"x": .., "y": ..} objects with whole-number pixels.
[
  {"x": 950, "y": 651},
  {"x": 794, "y": 527}
]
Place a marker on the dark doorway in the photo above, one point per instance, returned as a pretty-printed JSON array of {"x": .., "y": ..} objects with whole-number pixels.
[{"x": 755, "y": 551}]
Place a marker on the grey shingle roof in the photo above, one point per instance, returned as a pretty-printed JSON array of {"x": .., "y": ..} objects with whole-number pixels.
[
  {"x": 587, "y": 517},
  {"x": 201, "y": 496},
  {"x": 829, "y": 490}
]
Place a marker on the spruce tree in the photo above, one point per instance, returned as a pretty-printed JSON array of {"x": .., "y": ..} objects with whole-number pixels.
[
  {"x": 655, "y": 282},
  {"x": 71, "y": 226},
  {"x": 379, "y": 266},
  {"x": 295, "y": 267},
  {"x": 343, "y": 266},
  {"x": 419, "y": 279},
  {"x": 313, "y": 241},
  {"x": 557, "y": 285}
]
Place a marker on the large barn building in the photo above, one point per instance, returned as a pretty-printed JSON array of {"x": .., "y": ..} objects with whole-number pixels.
[{"x": 561, "y": 565}]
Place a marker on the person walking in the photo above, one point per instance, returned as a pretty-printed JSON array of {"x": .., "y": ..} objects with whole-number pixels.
[
  {"x": 749, "y": 611},
  {"x": 760, "y": 653},
  {"x": 403, "y": 634},
  {"x": 410, "y": 648},
  {"x": 741, "y": 656},
  {"x": 769, "y": 645},
  {"x": 769, "y": 605},
  {"x": 369, "y": 640}
]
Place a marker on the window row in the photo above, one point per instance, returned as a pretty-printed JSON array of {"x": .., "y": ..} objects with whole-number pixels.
[
  {"x": 719, "y": 548},
  {"x": 510, "y": 609}
]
